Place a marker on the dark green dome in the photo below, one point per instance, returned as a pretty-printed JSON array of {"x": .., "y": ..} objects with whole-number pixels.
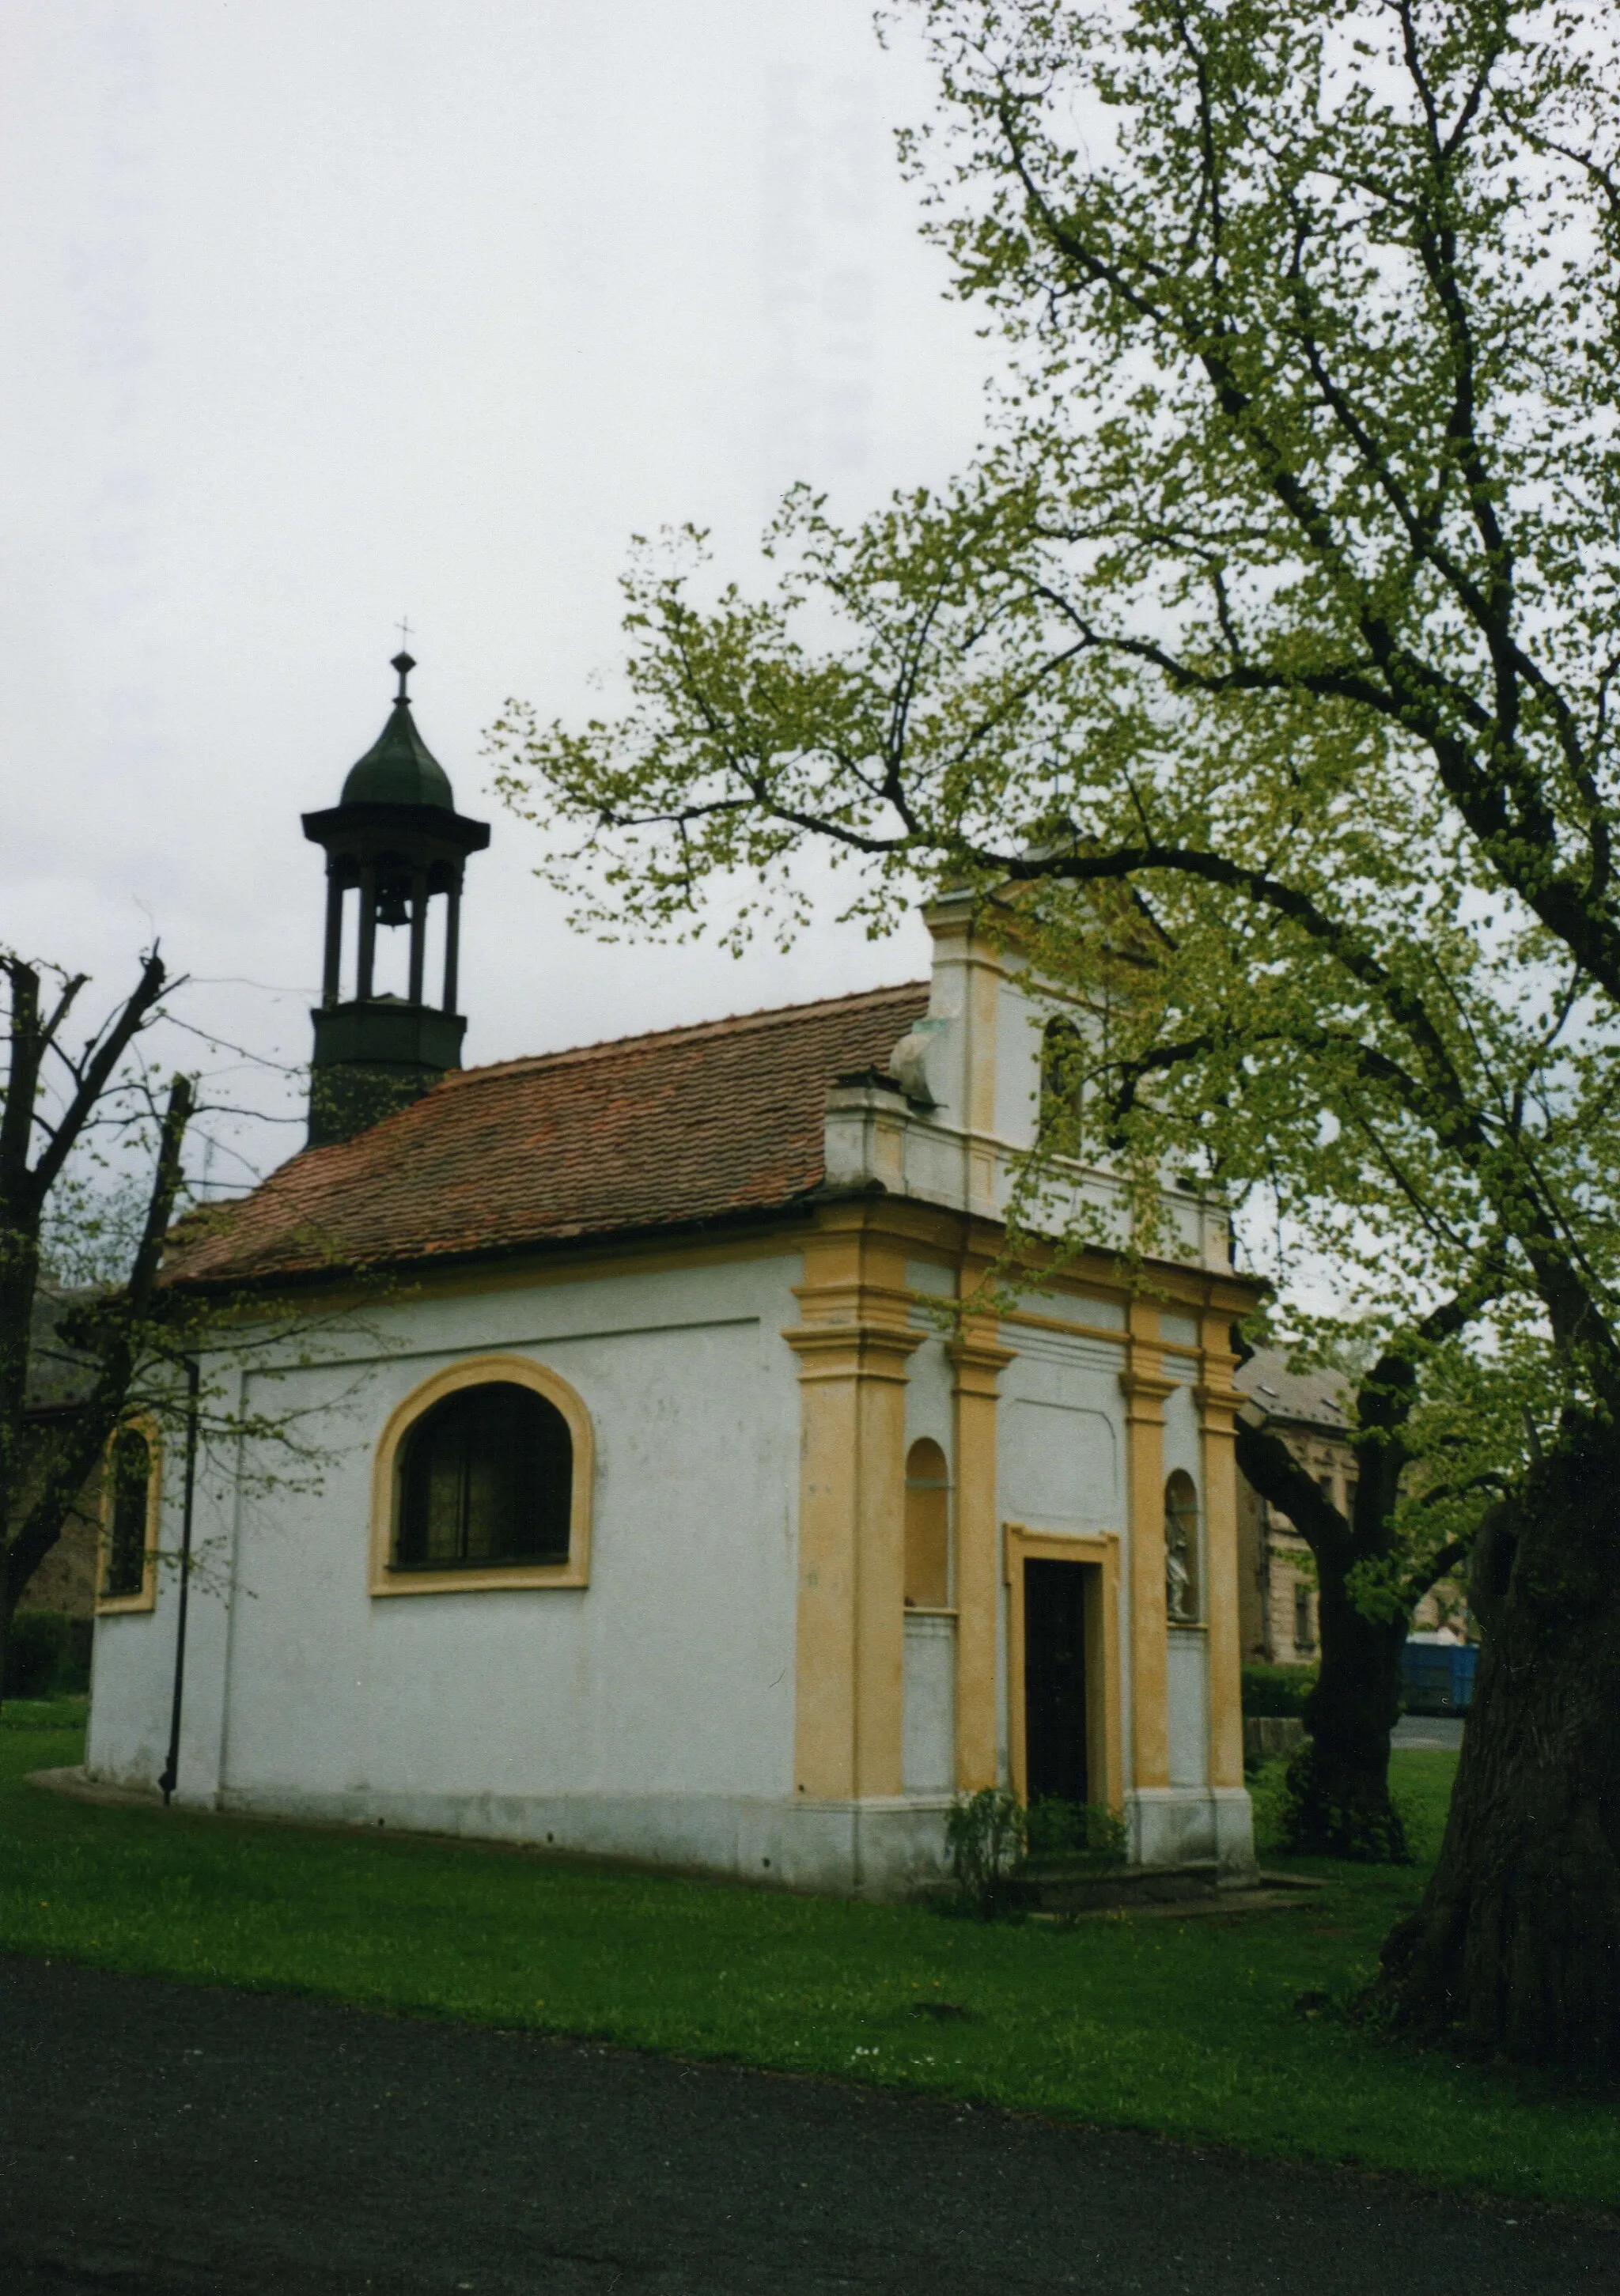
[{"x": 399, "y": 769}]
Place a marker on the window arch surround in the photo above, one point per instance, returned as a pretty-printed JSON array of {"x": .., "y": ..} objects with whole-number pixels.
[
  {"x": 463, "y": 1577},
  {"x": 130, "y": 1521}
]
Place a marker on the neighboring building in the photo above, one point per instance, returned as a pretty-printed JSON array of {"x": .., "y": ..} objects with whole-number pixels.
[
  {"x": 1278, "y": 1583},
  {"x": 65, "y": 1580},
  {"x": 1278, "y": 1601},
  {"x": 667, "y": 1512},
  {"x": 59, "y": 1379}
]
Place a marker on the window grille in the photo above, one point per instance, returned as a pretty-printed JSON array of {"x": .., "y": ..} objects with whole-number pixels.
[
  {"x": 485, "y": 1477},
  {"x": 130, "y": 1469}
]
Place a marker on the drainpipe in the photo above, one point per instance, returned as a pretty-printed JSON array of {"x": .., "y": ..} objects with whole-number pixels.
[{"x": 171, "y": 1768}]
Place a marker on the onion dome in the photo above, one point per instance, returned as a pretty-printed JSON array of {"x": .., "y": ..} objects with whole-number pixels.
[{"x": 399, "y": 769}]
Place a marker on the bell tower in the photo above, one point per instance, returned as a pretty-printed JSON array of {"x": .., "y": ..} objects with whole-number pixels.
[{"x": 396, "y": 839}]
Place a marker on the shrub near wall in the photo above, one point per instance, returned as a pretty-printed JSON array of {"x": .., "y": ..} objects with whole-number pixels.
[
  {"x": 47, "y": 1655},
  {"x": 1277, "y": 1692},
  {"x": 1273, "y": 1702}
]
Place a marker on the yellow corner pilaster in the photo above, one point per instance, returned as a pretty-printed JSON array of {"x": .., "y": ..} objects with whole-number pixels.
[
  {"x": 1145, "y": 1389},
  {"x": 978, "y": 1364},
  {"x": 852, "y": 1350},
  {"x": 1218, "y": 1403}
]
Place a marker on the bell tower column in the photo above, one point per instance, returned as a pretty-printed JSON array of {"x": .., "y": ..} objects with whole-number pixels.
[{"x": 331, "y": 969}]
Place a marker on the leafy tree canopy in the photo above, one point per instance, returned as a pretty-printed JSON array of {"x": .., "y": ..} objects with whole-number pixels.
[
  {"x": 1265, "y": 653},
  {"x": 1263, "y": 666}
]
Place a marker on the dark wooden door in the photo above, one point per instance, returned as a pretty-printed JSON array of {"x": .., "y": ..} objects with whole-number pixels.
[{"x": 1055, "y": 1679}]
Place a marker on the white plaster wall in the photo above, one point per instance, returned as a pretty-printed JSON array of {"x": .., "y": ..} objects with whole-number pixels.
[
  {"x": 1061, "y": 1447},
  {"x": 1183, "y": 1447},
  {"x": 1020, "y": 1023},
  {"x": 133, "y": 1660},
  {"x": 940, "y": 1051},
  {"x": 671, "y": 1674},
  {"x": 132, "y": 1663},
  {"x": 929, "y": 1728},
  {"x": 930, "y": 1403},
  {"x": 1075, "y": 1307},
  {"x": 1186, "y": 1681}
]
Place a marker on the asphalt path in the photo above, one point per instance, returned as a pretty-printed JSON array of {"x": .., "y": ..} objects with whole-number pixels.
[
  {"x": 169, "y": 2140},
  {"x": 1430, "y": 1733}
]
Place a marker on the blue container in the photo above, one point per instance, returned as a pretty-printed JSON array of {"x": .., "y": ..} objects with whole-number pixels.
[{"x": 1438, "y": 1677}]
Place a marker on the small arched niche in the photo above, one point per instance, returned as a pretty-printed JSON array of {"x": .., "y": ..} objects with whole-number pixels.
[
  {"x": 927, "y": 1527},
  {"x": 1182, "y": 1603},
  {"x": 1063, "y": 1067}
]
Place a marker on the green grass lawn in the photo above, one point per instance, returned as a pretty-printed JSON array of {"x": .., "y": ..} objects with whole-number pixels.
[{"x": 1183, "y": 2026}]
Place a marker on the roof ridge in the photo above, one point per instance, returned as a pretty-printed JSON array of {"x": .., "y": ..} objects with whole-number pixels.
[{"x": 767, "y": 1016}]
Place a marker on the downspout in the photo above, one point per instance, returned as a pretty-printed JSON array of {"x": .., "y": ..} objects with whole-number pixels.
[{"x": 171, "y": 1768}]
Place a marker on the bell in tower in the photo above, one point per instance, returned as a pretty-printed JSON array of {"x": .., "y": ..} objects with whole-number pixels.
[{"x": 397, "y": 841}]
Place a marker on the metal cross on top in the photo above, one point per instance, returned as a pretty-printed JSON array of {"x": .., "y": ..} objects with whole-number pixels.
[{"x": 403, "y": 662}]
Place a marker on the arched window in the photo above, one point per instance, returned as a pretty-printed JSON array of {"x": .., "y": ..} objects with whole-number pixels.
[
  {"x": 127, "y": 1516},
  {"x": 1063, "y": 1067},
  {"x": 1180, "y": 1549},
  {"x": 927, "y": 1527},
  {"x": 485, "y": 1477}
]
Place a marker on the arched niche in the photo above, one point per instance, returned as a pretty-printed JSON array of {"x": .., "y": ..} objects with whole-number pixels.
[
  {"x": 928, "y": 1527},
  {"x": 1184, "y": 1592}
]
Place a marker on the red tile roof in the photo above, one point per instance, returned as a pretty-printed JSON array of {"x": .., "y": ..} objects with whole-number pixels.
[{"x": 690, "y": 1126}]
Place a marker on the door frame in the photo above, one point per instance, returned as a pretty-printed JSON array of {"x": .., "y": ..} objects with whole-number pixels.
[{"x": 1105, "y": 1780}]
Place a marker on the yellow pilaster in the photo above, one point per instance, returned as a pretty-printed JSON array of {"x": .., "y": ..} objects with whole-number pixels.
[
  {"x": 1146, "y": 1388},
  {"x": 1218, "y": 1404},
  {"x": 852, "y": 1348},
  {"x": 978, "y": 1364}
]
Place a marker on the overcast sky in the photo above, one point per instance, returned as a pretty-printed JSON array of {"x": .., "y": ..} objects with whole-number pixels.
[{"x": 323, "y": 312}]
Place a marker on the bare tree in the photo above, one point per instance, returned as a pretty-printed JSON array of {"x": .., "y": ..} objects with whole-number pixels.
[{"x": 56, "y": 1096}]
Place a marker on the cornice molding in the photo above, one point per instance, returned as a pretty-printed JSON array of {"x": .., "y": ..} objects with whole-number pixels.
[
  {"x": 852, "y": 1351},
  {"x": 1145, "y": 1393},
  {"x": 978, "y": 1365}
]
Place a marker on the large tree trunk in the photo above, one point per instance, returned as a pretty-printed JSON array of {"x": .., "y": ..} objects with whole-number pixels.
[
  {"x": 13, "y": 1585},
  {"x": 8, "y": 1611},
  {"x": 1517, "y": 1945},
  {"x": 1338, "y": 1803}
]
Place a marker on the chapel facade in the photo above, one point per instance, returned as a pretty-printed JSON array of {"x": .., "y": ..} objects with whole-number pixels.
[{"x": 692, "y": 1491}]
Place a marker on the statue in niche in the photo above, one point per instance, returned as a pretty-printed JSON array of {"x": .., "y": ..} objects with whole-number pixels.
[{"x": 1181, "y": 1551}]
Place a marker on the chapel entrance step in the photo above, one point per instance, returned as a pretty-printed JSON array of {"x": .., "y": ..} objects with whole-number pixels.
[{"x": 1074, "y": 1885}]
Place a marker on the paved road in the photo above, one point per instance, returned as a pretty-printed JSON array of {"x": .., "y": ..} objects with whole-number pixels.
[{"x": 162, "y": 2140}]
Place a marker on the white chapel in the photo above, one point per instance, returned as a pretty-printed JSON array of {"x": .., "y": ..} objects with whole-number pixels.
[{"x": 669, "y": 1509}]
